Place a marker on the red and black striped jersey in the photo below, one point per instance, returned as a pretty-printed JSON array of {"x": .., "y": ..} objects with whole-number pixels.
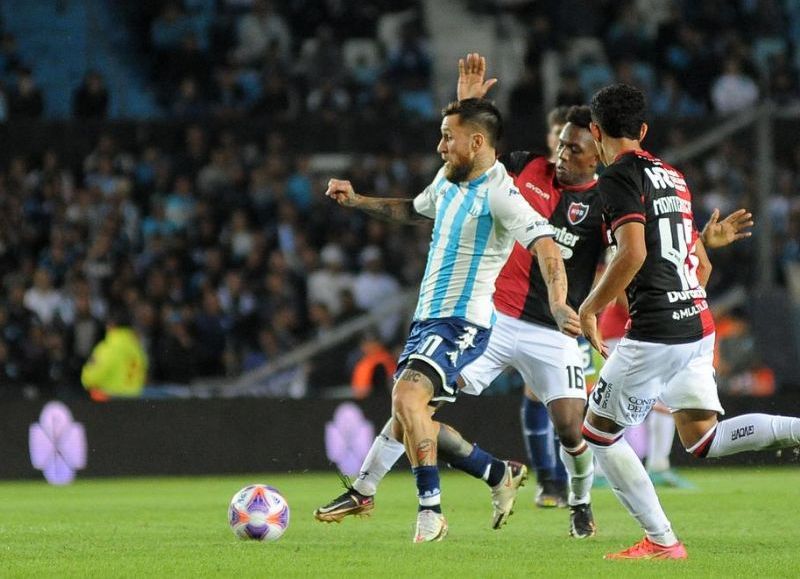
[
  {"x": 576, "y": 215},
  {"x": 666, "y": 301}
]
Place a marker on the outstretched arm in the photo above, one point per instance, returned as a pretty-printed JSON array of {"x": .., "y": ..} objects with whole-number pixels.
[
  {"x": 551, "y": 264},
  {"x": 721, "y": 233},
  {"x": 471, "y": 71},
  {"x": 386, "y": 208}
]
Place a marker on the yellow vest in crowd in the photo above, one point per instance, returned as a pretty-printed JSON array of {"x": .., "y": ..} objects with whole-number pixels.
[{"x": 117, "y": 366}]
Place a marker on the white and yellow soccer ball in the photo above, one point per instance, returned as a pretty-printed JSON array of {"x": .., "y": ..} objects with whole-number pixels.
[{"x": 258, "y": 512}]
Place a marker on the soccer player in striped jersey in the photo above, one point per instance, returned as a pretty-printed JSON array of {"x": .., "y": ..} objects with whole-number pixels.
[
  {"x": 668, "y": 350},
  {"x": 478, "y": 215}
]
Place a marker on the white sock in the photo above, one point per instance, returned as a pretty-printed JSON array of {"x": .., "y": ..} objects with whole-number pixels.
[
  {"x": 629, "y": 481},
  {"x": 384, "y": 452},
  {"x": 749, "y": 432},
  {"x": 579, "y": 463},
  {"x": 660, "y": 434}
]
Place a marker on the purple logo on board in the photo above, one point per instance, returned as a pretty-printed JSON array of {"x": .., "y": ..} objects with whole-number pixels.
[
  {"x": 348, "y": 438},
  {"x": 57, "y": 444}
]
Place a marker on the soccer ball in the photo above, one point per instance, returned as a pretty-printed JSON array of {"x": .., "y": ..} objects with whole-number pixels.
[{"x": 258, "y": 512}]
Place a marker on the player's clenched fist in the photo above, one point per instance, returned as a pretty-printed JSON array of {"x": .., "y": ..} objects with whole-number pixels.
[{"x": 342, "y": 192}]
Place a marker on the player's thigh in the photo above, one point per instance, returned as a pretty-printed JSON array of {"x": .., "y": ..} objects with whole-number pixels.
[
  {"x": 693, "y": 386},
  {"x": 631, "y": 381},
  {"x": 479, "y": 374},
  {"x": 550, "y": 363},
  {"x": 442, "y": 348}
]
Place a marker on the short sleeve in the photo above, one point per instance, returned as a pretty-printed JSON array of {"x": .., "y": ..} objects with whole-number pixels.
[
  {"x": 622, "y": 198},
  {"x": 425, "y": 202},
  {"x": 514, "y": 214}
]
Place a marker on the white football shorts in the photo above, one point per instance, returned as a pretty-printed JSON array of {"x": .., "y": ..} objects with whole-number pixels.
[
  {"x": 550, "y": 362},
  {"x": 638, "y": 373}
]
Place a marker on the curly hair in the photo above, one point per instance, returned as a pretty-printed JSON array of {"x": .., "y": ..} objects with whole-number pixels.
[
  {"x": 479, "y": 112},
  {"x": 619, "y": 109},
  {"x": 579, "y": 115}
]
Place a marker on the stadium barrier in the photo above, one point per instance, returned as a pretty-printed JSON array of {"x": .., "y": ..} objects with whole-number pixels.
[{"x": 249, "y": 435}]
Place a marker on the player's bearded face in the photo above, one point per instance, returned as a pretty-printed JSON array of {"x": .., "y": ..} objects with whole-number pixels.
[
  {"x": 456, "y": 150},
  {"x": 457, "y": 171}
]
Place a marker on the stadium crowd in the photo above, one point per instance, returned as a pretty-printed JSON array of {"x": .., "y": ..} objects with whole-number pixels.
[
  {"x": 224, "y": 250},
  {"x": 233, "y": 58}
]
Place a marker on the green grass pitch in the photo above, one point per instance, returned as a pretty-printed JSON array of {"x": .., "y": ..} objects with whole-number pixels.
[{"x": 739, "y": 522}]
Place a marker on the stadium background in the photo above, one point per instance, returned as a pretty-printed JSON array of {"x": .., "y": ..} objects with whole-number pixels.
[{"x": 171, "y": 157}]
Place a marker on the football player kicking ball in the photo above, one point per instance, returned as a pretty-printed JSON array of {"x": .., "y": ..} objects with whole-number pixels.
[
  {"x": 546, "y": 357},
  {"x": 668, "y": 351},
  {"x": 478, "y": 216},
  {"x": 525, "y": 336}
]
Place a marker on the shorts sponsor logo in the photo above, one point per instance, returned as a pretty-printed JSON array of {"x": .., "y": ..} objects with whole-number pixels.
[
  {"x": 742, "y": 432},
  {"x": 678, "y": 315},
  {"x": 639, "y": 407}
]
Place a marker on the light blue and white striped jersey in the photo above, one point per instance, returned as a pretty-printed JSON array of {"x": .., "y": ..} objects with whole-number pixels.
[{"x": 475, "y": 226}]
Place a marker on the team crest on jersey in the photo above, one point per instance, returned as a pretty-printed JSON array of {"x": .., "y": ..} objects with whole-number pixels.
[{"x": 577, "y": 212}]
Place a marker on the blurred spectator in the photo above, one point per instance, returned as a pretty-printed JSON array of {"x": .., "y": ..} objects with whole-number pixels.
[
  {"x": 278, "y": 99},
  {"x": 328, "y": 100},
  {"x": 90, "y": 100},
  {"x": 326, "y": 284},
  {"x": 118, "y": 364},
  {"x": 186, "y": 61},
  {"x": 189, "y": 102},
  {"x": 733, "y": 91},
  {"x": 329, "y": 368},
  {"x": 320, "y": 58},
  {"x": 373, "y": 287},
  {"x": 170, "y": 27},
  {"x": 374, "y": 372},
  {"x": 259, "y": 29},
  {"x": 42, "y": 298},
  {"x": 212, "y": 327},
  {"x": 669, "y": 99},
  {"x": 10, "y": 60},
  {"x": 178, "y": 352},
  {"x": 25, "y": 100}
]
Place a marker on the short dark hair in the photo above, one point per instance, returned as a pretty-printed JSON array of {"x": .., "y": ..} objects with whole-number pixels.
[
  {"x": 480, "y": 112},
  {"x": 557, "y": 116},
  {"x": 619, "y": 110},
  {"x": 580, "y": 116}
]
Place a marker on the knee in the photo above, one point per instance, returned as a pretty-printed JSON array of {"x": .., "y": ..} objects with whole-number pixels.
[
  {"x": 405, "y": 404},
  {"x": 570, "y": 434}
]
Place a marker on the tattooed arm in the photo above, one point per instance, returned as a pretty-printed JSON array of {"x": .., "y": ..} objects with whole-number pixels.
[
  {"x": 395, "y": 210},
  {"x": 551, "y": 265}
]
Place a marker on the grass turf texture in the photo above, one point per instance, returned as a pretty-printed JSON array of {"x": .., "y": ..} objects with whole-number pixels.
[{"x": 738, "y": 521}]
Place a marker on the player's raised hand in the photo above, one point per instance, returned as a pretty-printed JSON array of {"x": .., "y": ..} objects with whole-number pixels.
[
  {"x": 568, "y": 321},
  {"x": 471, "y": 71},
  {"x": 588, "y": 323},
  {"x": 721, "y": 233},
  {"x": 342, "y": 192}
]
